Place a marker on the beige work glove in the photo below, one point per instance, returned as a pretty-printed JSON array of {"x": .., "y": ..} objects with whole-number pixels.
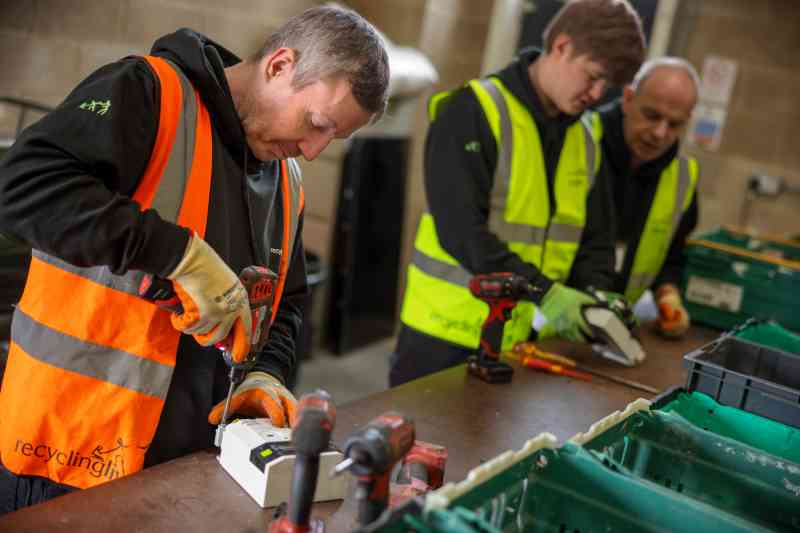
[
  {"x": 673, "y": 319},
  {"x": 214, "y": 300},
  {"x": 260, "y": 395}
]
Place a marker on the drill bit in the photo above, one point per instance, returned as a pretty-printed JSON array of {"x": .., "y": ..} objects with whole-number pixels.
[
  {"x": 223, "y": 421},
  {"x": 341, "y": 467}
]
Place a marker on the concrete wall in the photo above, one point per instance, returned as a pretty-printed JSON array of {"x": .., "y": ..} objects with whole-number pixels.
[
  {"x": 48, "y": 46},
  {"x": 761, "y": 131}
]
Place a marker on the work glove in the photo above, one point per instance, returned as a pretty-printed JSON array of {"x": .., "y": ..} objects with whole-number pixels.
[
  {"x": 673, "y": 319},
  {"x": 619, "y": 304},
  {"x": 214, "y": 301},
  {"x": 562, "y": 307},
  {"x": 260, "y": 395}
]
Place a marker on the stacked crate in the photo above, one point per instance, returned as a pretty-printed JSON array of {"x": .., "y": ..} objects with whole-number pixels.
[{"x": 685, "y": 462}]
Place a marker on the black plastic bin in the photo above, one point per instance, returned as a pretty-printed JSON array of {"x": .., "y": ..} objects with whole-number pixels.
[{"x": 749, "y": 376}]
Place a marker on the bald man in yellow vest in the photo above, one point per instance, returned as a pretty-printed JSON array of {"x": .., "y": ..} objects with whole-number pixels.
[{"x": 654, "y": 186}]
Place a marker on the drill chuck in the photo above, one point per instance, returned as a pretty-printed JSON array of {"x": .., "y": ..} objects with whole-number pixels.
[
  {"x": 502, "y": 286},
  {"x": 371, "y": 454},
  {"x": 315, "y": 421},
  {"x": 380, "y": 444}
]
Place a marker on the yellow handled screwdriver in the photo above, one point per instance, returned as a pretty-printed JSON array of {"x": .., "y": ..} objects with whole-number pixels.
[{"x": 528, "y": 349}]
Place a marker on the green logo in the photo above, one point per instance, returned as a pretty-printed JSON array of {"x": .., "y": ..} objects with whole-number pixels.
[
  {"x": 96, "y": 106},
  {"x": 473, "y": 146}
]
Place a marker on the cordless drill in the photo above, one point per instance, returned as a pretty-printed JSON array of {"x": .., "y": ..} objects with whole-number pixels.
[
  {"x": 259, "y": 282},
  {"x": 311, "y": 435},
  {"x": 501, "y": 290},
  {"x": 421, "y": 471},
  {"x": 371, "y": 453}
]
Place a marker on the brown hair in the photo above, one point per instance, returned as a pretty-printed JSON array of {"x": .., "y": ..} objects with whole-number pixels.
[
  {"x": 609, "y": 31},
  {"x": 333, "y": 41}
]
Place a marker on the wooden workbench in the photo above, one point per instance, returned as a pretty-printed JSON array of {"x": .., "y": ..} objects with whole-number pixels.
[{"x": 474, "y": 420}]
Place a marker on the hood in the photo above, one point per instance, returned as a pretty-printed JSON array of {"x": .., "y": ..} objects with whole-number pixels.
[{"x": 203, "y": 61}]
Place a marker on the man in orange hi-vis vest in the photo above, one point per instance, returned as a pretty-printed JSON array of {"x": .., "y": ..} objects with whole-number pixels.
[{"x": 179, "y": 164}]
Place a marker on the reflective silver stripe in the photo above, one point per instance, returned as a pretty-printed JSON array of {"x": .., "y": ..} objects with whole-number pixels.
[
  {"x": 441, "y": 270},
  {"x": 129, "y": 283},
  {"x": 591, "y": 155},
  {"x": 684, "y": 180},
  {"x": 166, "y": 201},
  {"x": 565, "y": 233},
  {"x": 517, "y": 232},
  {"x": 169, "y": 195},
  {"x": 295, "y": 179},
  {"x": 88, "y": 359},
  {"x": 642, "y": 280},
  {"x": 502, "y": 171},
  {"x": 511, "y": 231}
]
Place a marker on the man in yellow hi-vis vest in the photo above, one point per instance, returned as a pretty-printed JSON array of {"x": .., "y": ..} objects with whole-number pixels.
[
  {"x": 654, "y": 186},
  {"x": 514, "y": 183},
  {"x": 179, "y": 164}
]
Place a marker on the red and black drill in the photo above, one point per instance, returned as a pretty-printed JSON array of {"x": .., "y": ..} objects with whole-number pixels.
[
  {"x": 311, "y": 435},
  {"x": 259, "y": 282},
  {"x": 502, "y": 291},
  {"x": 371, "y": 453}
]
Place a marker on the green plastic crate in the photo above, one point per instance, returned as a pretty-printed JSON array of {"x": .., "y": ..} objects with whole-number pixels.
[
  {"x": 566, "y": 489},
  {"x": 724, "y": 473},
  {"x": 768, "y": 333},
  {"x": 762, "y": 433},
  {"x": 731, "y": 276},
  {"x": 682, "y": 463}
]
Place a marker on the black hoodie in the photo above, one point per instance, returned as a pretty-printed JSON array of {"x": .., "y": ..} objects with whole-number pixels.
[
  {"x": 633, "y": 192},
  {"x": 65, "y": 188},
  {"x": 458, "y": 186}
]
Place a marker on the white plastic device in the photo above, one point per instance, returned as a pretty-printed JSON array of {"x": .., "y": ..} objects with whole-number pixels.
[
  {"x": 260, "y": 457},
  {"x": 618, "y": 344}
]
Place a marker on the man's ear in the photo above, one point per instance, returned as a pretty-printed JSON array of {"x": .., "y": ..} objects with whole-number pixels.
[
  {"x": 281, "y": 62},
  {"x": 562, "y": 46},
  {"x": 627, "y": 98}
]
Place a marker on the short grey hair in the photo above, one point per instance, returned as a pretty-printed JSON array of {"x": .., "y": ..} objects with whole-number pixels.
[
  {"x": 334, "y": 41},
  {"x": 667, "y": 61}
]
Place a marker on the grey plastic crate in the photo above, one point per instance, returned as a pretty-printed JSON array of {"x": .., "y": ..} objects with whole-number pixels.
[{"x": 749, "y": 376}]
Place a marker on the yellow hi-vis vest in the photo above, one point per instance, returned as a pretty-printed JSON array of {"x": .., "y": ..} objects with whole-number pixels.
[
  {"x": 676, "y": 187},
  {"x": 437, "y": 298}
]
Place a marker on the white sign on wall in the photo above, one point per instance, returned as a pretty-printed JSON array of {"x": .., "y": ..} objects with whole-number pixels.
[
  {"x": 716, "y": 87},
  {"x": 719, "y": 75}
]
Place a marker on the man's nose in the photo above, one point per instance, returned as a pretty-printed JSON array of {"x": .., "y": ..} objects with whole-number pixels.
[
  {"x": 597, "y": 90},
  {"x": 314, "y": 144},
  {"x": 661, "y": 129}
]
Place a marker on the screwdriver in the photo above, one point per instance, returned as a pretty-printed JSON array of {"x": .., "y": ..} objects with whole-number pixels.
[
  {"x": 546, "y": 366},
  {"x": 529, "y": 349}
]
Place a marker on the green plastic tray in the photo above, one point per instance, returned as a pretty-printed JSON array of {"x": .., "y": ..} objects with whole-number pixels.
[
  {"x": 742, "y": 480},
  {"x": 769, "y": 333},
  {"x": 723, "y": 288},
  {"x": 685, "y": 464},
  {"x": 566, "y": 490},
  {"x": 762, "y": 433},
  {"x": 570, "y": 489}
]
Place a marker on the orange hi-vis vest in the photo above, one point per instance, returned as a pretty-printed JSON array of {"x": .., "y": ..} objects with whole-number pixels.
[{"x": 90, "y": 363}]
